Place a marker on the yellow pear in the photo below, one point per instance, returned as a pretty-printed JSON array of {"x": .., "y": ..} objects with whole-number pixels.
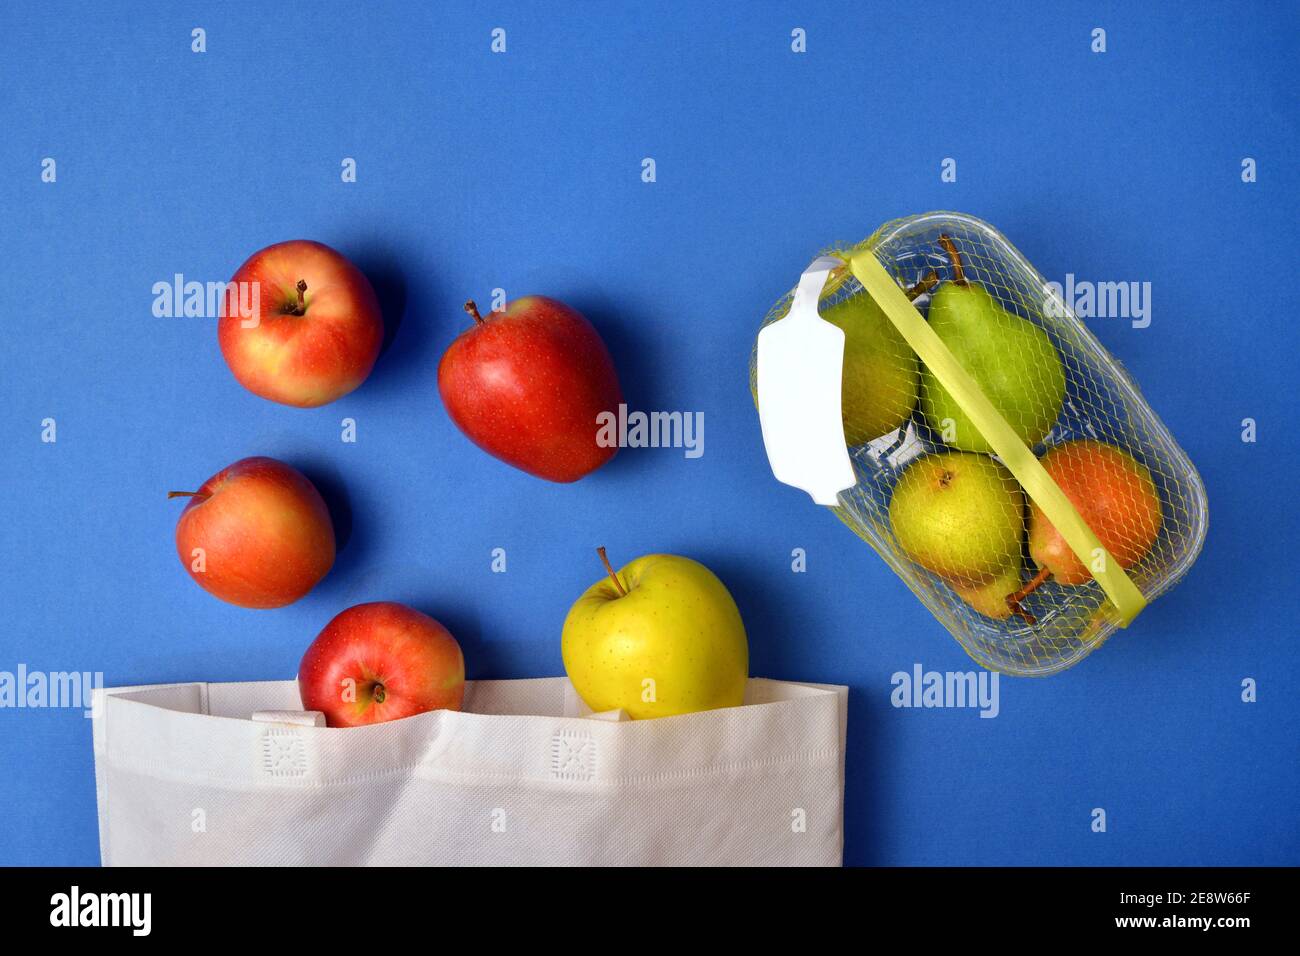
[
  {"x": 990, "y": 598},
  {"x": 881, "y": 372}
]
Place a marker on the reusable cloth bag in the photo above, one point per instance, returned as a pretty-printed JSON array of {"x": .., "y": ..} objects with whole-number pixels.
[{"x": 520, "y": 776}]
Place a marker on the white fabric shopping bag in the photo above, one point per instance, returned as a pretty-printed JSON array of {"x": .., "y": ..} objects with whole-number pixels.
[{"x": 185, "y": 776}]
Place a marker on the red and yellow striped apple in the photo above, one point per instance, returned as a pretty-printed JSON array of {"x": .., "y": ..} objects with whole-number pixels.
[
  {"x": 255, "y": 534},
  {"x": 381, "y": 661},
  {"x": 316, "y": 331}
]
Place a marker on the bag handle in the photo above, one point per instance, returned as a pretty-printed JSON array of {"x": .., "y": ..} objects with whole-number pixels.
[
  {"x": 800, "y": 363},
  {"x": 1015, "y": 454}
]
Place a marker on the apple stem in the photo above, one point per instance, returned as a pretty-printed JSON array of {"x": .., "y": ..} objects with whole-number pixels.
[
  {"x": 302, "y": 303},
  {"x": 958, "y": 273},
  {"x": 472, "y": 309},
  {"x": 622, "y": 591},
  {"x": 1013, "y": 600},
  {"x": 202, "y": 496},
  {"x": 928, "y": 282},
  {"x": 379, "y": 694}
]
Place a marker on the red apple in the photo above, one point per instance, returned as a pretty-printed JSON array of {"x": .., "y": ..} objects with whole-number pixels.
[
  {"x": 527, "y": 384},
  {"x": 256, "y": 534},
  {"x": 381, "y": 661},
  {"x": 317, "y": 329}
]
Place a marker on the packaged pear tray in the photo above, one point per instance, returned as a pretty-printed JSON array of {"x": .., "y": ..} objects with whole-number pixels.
[{"x": 931, "y": 388}]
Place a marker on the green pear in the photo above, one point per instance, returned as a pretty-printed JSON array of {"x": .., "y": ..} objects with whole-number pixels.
[
  {"x": 1011, "y": 359},
  {"x": 962, "y": 516},
  {"x": 881, "y": 372}
]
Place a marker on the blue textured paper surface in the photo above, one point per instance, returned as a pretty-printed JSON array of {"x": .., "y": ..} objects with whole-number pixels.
[{"x": 522, "y": 171}]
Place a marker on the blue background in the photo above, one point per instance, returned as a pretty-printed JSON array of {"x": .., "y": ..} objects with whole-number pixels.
[{"x": 522, "y": 171}]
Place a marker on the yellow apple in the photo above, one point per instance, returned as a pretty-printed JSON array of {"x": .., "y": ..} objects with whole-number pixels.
[{"x": 661, "y": 637}]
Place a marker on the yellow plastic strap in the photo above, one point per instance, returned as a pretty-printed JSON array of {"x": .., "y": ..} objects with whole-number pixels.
[{"x": 1015, "y": 454}]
